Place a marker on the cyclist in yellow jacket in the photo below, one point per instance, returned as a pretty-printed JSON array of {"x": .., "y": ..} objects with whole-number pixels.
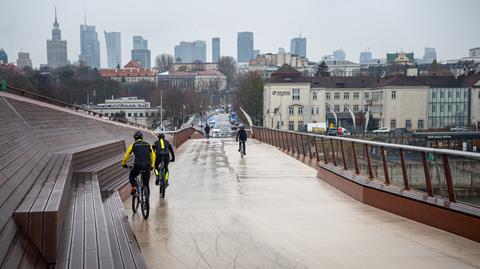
[{"x": 144, "y": 160}]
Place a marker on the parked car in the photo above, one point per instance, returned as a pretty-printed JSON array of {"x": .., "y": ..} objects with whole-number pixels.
[
  {"x": 401, "y": 131},
  {"x": 332, "y": 132},
  {"x": 382, "y": 130},
  {"x": 343, "y": 132},
  {"x": 459, "y": 129}
]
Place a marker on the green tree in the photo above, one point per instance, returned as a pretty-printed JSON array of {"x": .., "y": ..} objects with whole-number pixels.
[
  {"x": 322, "y": 70},
  {"x": 250, "y": 96}
]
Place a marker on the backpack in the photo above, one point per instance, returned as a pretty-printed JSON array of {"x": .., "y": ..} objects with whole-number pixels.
[{"x": 162, "y": 151}]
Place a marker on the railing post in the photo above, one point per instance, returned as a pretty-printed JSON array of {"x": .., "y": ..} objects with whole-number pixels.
[
  {"x": 296, "y": 143},
  {"x": 274, "y": 133},
  {"x": 357, "y": 170},
  {"x": 303, "y": 146},
  {"x": 283, "y": 140},
  {"x": 291, "y": 140},
  {"x": 448, "y": 177},
  {"x": 426, "y": 170},
  {"x": 316, "y": 148},
  {"x": 385, "y": 167},
  {"x": 324, "y": 151},
  {"x": 333, "y": 153},
  {"x": 309, "y": 147},
  {"x": 369, "y": 162},
  {"x": 343, "y": 156},
  {"x": 404, "y": 170}
]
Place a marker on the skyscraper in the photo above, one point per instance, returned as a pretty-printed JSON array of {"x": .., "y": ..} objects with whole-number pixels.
[
  {"x": 114, "y": 49},
  {"x": 244, "y": 47},
  {"x": 215, "y": 49},
  {"x": 89, "y": 45},
  {"x": 56, "y": 47},
  {"x": 140, "y": 51},
  {"x": 430, "y": 55},
  {"x": 189, "y": 52},
  {"x": 298, "y": 46},
  {"x": 24, "y": 60},
  {"x": 365, "y": 57},
  {"x": 339, "y": 55},
  {"x": 3, "y": 57}
]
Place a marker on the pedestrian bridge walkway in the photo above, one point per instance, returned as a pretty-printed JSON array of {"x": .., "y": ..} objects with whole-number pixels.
[
  {"x": 270, "y": 210},
  {"x": 64, "y": 199}
]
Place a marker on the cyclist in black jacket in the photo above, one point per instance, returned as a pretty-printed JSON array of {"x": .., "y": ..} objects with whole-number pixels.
[
  {"x": 163, "y": 149},
  {"x": 241, "y": 138},
  {"x": 144, "y": 159}
]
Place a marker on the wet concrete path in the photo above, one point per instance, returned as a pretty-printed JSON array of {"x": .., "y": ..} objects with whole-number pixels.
[{"x": 269, "y": 210}]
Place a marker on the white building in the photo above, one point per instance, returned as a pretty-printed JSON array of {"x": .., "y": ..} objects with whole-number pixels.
[
  {"x": 289, "y": 103},
  {"x": 135, "y": 110},
  {"x": 339, "y": 68}
]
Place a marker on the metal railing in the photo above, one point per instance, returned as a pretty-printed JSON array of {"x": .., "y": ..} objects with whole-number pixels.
[
  {"x": 56, "y": 102},
  {"x": 450, "y": 174}
]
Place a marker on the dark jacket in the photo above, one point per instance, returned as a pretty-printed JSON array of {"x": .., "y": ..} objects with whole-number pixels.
[
  {"x": 162, "y": 147},
  {"x": 207, "y": 128},
  {"x": 144, "y": 155},
  {"x": 241, "y": 135}
]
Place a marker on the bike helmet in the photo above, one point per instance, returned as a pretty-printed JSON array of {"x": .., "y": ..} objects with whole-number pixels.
[
  {"x": 138, "y": 135},
  {"x": 161, "y": 136}
]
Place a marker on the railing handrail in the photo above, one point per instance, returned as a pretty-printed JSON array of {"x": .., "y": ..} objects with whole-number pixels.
[
  {"x": 389, "y": 145},
  {"x": 56, "y": 102}
]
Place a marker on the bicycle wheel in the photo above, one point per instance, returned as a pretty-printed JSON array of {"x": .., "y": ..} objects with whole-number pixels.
[
  {"x": 144, "y": 203},
  {"x": 162, "y": 184},
  {"x": 135, "y": 202}
]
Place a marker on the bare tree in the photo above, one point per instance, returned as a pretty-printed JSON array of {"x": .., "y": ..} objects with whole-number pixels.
[
  {"x": 164, "y": 62},
  {"x": 228, "y": 66}
]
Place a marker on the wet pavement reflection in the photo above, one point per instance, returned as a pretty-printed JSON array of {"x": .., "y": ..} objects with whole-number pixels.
[{"x": 269, "y": 210}]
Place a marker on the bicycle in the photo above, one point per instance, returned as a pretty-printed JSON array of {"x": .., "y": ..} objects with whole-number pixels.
[
  {"x": 162, "y": 179},
  {"x": 242, "y": 149},
  {"x": 141, "y": 195}
]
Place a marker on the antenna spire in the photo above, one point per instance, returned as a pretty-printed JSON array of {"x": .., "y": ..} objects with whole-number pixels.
[
  {"x": 55, "y": 14},
  {"x": 84, "y": 15}
]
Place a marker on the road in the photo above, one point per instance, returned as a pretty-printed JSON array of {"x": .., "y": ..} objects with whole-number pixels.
[{"x": 269, "y": 210}]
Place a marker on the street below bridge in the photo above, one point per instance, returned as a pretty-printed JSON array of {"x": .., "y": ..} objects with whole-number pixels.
[{"x": 269, "y": 210}]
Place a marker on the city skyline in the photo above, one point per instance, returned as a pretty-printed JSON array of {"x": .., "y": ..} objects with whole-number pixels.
[{"x": 382, "y": 33}]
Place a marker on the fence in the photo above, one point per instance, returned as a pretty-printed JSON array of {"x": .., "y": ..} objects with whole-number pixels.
[{"x": 450, "y": 174}]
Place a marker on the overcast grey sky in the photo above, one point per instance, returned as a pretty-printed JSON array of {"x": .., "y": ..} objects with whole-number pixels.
[{"x": 381, "y": 25}]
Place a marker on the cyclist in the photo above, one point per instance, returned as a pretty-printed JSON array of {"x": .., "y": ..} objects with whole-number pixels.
[
  {"x": 163, "y": 149},
  {"x": 144, "y": 160},
  {"x": 207, "y": 130},
  {"x": 241, "y": 138}
]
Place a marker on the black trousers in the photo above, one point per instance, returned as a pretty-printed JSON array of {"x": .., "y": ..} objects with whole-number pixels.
[
  {"x": 240, "y": 144},
  {"x": 136, "y": 170},
  {"x": 162, "y": 159}
]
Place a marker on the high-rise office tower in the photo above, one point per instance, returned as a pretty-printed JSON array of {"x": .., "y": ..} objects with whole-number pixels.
[
  {"x": 298, "y": 46},
  {"x": 114, "y": 49},
  {"x": 215, "y": 49},
  {"x": 140, "y": 51},
  {"x": 189, "y": 52},
  {"x": 244, "y": 47},
  {"x": 24, "y": 60},
  {"x": 430, "y": 55},
  {"x": 3, "y": 57},
  {"x": 56, "y": 47},
  {"x": 89, "y": 45},
  {"x": 365, "y": 57},
  {"x": 339, "y": 55}
]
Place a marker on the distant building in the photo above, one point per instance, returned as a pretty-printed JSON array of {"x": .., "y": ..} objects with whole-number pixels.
[
  {"x": 192, "y": 67},
  {"x": 3, "y": 57},
  {"x": 140, "y": 52},
  {"x": 134, "y": 110},
  {"x": 256, "y": 53},
  {"x": 132, "y": 72},
  {"x": 339, "y": 68},
  {"x": 56, "y": 47},
  {"x": 475, "y": 52},
  {"x": 279, "y": 59},
  {"x": 215, "y": 49},
  {"x": 430, "y": 55},
  {"x": 197, "y": 80},
  {"x": 339, "y": 55},
  {"x": 281, "y": 50},
  {"x": 89, "y": 46},
  {"x": 24, "y": 60},
  {"x": 114, "y": 49},
  {"x": 298, "y": 46},
  {"x": 365, "y": 57},
  {"x": 400, "y": 58},
  {"x": 245, "y": 46},
  {"x": 189, "y": 52}
]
